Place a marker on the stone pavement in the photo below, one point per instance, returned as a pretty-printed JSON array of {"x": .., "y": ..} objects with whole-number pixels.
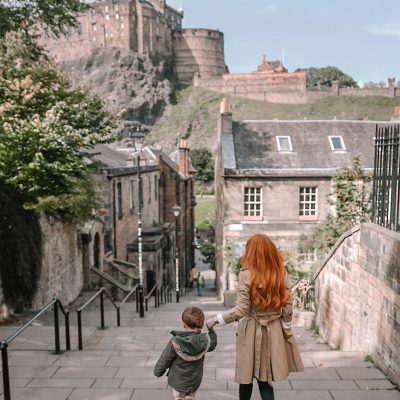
[{"x": 117, "y": 363}]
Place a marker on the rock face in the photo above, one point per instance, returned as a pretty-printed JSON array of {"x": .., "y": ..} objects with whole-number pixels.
[{"x": 132, "y": 85}]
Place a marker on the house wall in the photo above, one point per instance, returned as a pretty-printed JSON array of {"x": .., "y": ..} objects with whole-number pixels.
[
  {"x": 280, "y": 215},
  {"x": 358, "y": 292}
]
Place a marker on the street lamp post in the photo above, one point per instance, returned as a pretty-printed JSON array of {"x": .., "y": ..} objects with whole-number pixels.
[
  {"x": 176, "y": 210},
  {"x": 138, "y": 138}
]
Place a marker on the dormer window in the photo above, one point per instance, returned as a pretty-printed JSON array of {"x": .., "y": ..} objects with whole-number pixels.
[
  {"x": 337, "y": 143},
  {"x": 284, "y": 143}
]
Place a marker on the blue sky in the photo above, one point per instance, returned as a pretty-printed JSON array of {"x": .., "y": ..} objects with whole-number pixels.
[{"x": 361, "y": 37}]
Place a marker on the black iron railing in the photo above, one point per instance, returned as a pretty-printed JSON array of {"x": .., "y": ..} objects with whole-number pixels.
[
  {"x": 386, "y": 194},
  {"x": 146, "y": 299},
  {"x": 4, "y": 344}
]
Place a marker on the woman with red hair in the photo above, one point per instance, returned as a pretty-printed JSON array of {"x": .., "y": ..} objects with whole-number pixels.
[{"x": 266, "y": 348}]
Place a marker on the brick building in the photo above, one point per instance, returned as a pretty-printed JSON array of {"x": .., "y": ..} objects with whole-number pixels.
[
  {"x": 275, "y": 177},
  {"x": 164, "y": 184}
]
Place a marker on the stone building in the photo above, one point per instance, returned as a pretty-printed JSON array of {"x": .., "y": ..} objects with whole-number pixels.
[
  {"x": 143, "y": 26},
  {"x": 275, "y": 177},
  {"x": 164, "y": 183}
]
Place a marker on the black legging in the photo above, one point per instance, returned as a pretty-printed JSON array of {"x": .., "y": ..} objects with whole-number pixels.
[{"x": 266, "y": 391}]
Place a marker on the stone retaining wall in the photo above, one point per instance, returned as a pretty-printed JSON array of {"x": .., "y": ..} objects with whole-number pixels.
[{"x": 358, "y": 294}]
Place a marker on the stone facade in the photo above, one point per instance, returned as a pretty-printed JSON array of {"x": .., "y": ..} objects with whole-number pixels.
[
  {"x": 198, "y": 54},
  {"x": 62, "y": 265},
  {"x": 358, "y": 292},
  {"x": 145, "y": 27}
]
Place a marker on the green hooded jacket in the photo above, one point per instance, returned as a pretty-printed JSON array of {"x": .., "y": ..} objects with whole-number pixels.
[{"x": 184, "y": 356}]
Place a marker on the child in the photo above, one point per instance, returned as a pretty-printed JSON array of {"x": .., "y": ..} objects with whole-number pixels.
[{"x": 184, "y": 355}]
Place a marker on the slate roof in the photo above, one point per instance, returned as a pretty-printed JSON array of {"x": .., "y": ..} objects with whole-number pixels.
[
  {"x": 253, "y": 146},
  {"x": 108, "y": 156}
]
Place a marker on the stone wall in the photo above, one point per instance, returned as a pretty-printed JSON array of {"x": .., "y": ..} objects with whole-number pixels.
[
  {"x": 62, "y": 264},
  {"x": 358, "y": 293},
  {"x": 198, "y": 52}
]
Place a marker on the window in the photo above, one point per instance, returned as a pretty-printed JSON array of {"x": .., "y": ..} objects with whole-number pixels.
[
  {"x": 155, "y": 187},
  {"x": 107, "y": 17},
  {"x": 309, "y": 256},
  {"x": 284, "y": 143},
  {"x": 337, "y": 143},
  {"x": 131, "y": 196},
  {"x": 308, "y": 202},
  {"x": 119, "y": 199},
  {"x": 252, "y": 202},
  {"x": 122, "y": 26},
  {"x": 94, "y": 27}
]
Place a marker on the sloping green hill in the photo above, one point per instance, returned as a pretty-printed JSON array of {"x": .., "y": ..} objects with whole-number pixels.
[{"x": 200, "y": 108}]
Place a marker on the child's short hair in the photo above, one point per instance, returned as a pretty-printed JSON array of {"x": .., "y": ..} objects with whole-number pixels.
[{"x": 193, "y": 317}]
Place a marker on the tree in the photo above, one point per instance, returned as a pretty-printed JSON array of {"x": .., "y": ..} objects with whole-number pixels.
[
  {"x": 351, "y": 202},
  {"x": 207, "y": 243},
  {"x": 325, "y": 76},
  {"x": 203, "y": 162},
  {"x": 44, "y": 127},
  {"x": 58, "y": 15}
]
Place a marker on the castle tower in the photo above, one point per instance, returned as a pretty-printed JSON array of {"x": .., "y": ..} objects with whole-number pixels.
[{"x": 200, "y": 52}]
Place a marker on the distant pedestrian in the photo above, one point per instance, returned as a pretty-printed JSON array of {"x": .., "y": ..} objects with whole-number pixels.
[
  {"x": 265, "y": 348},
  {"x": 184, "y": 355},
  {"x": 202, "y": 281},
  {"x": 199, "y": 283}
]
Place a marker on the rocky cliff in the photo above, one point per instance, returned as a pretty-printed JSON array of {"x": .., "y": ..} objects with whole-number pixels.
[{"x": 132, "y": 85}]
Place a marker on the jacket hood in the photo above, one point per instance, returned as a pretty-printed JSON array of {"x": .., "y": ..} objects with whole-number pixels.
[{"x": 190, "y": 343}]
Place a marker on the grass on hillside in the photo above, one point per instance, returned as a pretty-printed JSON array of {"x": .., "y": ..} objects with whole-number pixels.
[
  {"x": 205, "y": 209},
  {"x": 200, "y": 108}
]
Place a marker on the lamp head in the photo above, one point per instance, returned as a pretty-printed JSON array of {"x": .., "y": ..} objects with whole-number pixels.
[
  {"x": 137, "y": 137},
  {"x": 176, "y": 210}
]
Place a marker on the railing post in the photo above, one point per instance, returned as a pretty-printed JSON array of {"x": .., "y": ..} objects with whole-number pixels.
[
  {"x": 102, "y": 310},
  {"x": 118, "y": 317},
  {"x": 56, "y": 328},
  {"x": 67, "y": 335},
  {"x": 145, "y": 300},
  {"x": 80, "y": 341},
  {"x": 156, "y": 298},
  {"x": 6, "y": 372},
  {"x": 141, "y": 309},
  {"x": 137, "y": 300}
]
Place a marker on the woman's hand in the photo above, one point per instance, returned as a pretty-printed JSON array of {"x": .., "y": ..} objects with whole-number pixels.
[{"x": 210, "y": 323}]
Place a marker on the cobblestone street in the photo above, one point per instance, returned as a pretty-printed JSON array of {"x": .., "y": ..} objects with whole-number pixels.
[{"x": 117, "y": 363}]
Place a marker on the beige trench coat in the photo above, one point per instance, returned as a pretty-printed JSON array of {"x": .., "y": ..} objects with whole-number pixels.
[{"x": 264, "y": 350}]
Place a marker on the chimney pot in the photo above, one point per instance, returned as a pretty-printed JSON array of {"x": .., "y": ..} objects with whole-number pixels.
[{"x": 224, "y": 106}]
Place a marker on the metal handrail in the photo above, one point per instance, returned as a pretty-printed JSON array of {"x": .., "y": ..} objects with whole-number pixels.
[
  {"x": 100, "y": 293},
  {"x": 146, "y": 299},
  {"x": 128, "y": 295},
  {"x": 56, "y": 303}
]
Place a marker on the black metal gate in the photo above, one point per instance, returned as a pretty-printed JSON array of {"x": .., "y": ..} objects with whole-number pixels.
[{"x": 385, "y": 205}]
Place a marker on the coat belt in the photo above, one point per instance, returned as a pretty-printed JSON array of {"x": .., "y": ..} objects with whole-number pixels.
[{"x": 263, "y": 320}]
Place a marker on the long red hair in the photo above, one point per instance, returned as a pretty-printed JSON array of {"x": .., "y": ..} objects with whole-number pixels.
[{"x": 264, "y": 261}]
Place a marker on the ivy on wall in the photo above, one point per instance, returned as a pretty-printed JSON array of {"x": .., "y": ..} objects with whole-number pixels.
[{"x": 20, "y": 250}]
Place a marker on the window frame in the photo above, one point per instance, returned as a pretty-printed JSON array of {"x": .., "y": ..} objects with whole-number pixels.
[
  {"x": 341, "y": 142},
  {"x": 253, "y": 217},
  {"x": 308, "y": 217},
  {"x": 278, "y": 144},
  {"x": 131, "y": 195}
]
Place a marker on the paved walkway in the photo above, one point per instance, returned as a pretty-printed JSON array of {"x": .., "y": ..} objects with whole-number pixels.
[{"x": 117, "y": 363}]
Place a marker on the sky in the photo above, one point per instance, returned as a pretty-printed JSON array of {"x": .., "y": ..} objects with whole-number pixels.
[{"x": 361, "y": 37}]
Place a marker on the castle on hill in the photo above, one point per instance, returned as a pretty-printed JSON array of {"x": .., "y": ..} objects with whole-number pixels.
[{"x": 144, "y": 26}]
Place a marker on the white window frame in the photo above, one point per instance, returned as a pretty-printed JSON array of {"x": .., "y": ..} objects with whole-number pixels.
[
  {"x": 249, "y": 206},
  {"x": 341, "y": 142},
  {"x": 309, "y": 256},
  {"x": 278, "y": 144},
  {"x": 304, "y": 213}
]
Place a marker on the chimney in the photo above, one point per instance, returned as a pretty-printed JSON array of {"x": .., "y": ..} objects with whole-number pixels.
[
  {"x": 396, "y": 115},
  {"x": 183, "y": 158},
  {"x": 224, "y": 108}
]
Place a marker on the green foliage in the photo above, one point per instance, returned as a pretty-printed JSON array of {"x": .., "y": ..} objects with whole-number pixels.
[
  {"x": 325, "y": 76},
  {"x": 58, "y": 15},
  {"x": 351, "y": 201},
  {"x": 203, "y": 162},
  {"x": 205, "y": 209},
  {"x": 21, "y": 247},
  {"x": 207, "y": 243},
  {"x": 231, "y": 259},
  {"x": 45, "y": 125}
]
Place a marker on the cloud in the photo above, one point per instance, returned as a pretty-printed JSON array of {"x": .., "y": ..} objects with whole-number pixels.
[
  {"x": 270, "y": 9},
  {"x": 387, "y": 29}
]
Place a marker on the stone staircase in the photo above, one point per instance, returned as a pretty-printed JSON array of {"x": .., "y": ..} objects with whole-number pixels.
[{"x": 117, "y": 363}]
